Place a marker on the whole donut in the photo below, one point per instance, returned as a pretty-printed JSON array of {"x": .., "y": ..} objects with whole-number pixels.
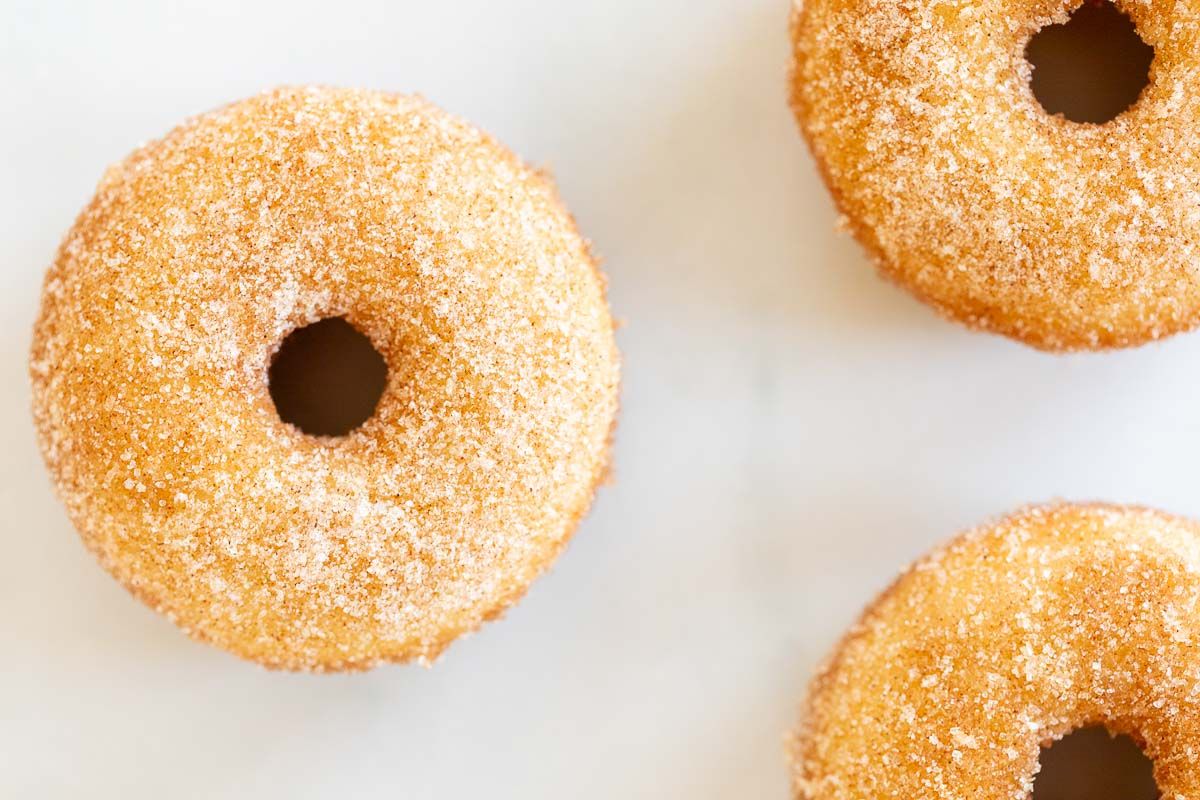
[
  {"x": 160, "y": 318},
  {"x": 1005, "y": 640},
  {"x": 964, "y": 190}
]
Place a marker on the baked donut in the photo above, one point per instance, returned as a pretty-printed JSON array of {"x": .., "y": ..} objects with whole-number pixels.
[
  {"x": 963, "y": 189},
  {"x": 1005, "y": 640},
  {"x": 160, "y": 316}
]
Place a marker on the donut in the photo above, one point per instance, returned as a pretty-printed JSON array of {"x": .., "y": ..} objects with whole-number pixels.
[
  {"x": 1001, "y": 216},
  {"x": 162, "y": 311},
  {"x": 1007, "y": 639}
]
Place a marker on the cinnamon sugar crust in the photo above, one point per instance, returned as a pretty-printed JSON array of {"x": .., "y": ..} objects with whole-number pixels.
[
  {"x": 1063, "y": 235},
  {"x": 170, "y": 295},
  {"x": 1007, "y": 639}
]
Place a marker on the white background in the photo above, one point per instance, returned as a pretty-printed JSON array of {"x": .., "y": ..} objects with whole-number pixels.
[{"x": 793, "y": 432}]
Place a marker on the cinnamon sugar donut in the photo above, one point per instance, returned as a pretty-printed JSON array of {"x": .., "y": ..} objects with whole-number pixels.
[
  {"x": 160, "y": 318},
  {"x": 1005, "y": 640},
  {"x": 964, "y": 190}
]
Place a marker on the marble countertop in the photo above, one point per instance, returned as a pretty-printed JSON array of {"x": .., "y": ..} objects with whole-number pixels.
[{"x": 794, "y": 430}]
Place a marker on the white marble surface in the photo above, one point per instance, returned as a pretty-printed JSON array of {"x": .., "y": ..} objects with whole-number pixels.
[{"x": 794, "y": 430}]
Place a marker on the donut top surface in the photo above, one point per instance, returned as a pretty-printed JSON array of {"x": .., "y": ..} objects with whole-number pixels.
[
  {"x": 963, "y": 189},
  {"x": 1007, "y": 639},
  {"x": 160, "y": 318}
]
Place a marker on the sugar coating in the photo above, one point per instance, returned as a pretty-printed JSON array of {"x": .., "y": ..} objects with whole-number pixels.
[
  {"x": 963, "y": 189},
  {"x": 169, "y": 297},
  {"x": 1008, "y": 638}
]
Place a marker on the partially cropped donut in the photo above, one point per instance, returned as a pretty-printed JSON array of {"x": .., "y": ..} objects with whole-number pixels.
[
  {"x": 964, "y": 190},
  {"x": 1005, "y": 640},
  {"x": 171, "y": 294}
]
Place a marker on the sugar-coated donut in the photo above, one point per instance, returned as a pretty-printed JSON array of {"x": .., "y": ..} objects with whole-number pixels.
[
  {"x": 1007, "y": 639},
  {"x": 963, "y": 189},
  {"x": 160, "y": 317}
]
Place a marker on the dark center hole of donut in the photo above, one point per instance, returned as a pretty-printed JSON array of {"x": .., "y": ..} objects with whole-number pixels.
[
  {"x": 1092, "y": 67},
  {"x": 327, "y": 378},
  {"x": 1092, "y": 764}
]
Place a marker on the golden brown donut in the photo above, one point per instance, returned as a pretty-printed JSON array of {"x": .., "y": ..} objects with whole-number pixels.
[
  {"x": 1005, "y": 640},
  {"x": 160, "y": 317},
  {"x": 963, "y": 189}
]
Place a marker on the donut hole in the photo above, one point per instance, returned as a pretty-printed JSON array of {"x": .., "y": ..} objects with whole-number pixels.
[
  {"x": 326, "y": 378},
  {"x": 1092, "y": 764},
  {"x": 1092, "y": 67}
]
